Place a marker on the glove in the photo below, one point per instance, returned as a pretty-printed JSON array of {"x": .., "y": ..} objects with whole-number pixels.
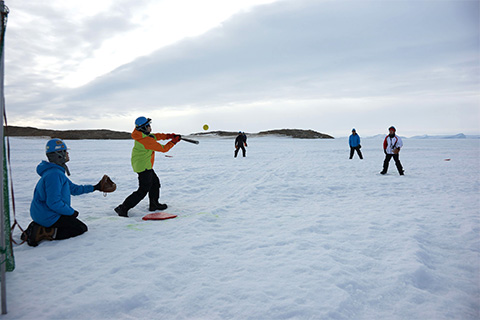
[
  {"x": 170, "y": 135},
  {"x": 176, "y": 138},
  {"x": 75, "y": 214},
  {"x": 396, "y": 150},
  {"x": 105, "y": 185}
]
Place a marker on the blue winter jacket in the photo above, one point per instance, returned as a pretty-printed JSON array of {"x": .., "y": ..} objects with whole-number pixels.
[
  {"x": 51, "y": 198},
  {"x": 354, "y": 140}
]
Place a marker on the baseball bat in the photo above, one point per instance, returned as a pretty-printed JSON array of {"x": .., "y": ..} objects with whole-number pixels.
[{"x": 190, "y": 140}]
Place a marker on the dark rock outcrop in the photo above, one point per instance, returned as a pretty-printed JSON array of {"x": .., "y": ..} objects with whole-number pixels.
[
  {"x": 102, "y": 134},
  {"x": 297, "y": 133},
  {"x": 293, "y": 133},
  {"x": 218, "y": 133}
]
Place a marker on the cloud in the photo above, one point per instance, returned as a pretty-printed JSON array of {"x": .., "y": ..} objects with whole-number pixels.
[
  {"x": 307, "y": 49},
  {"x": 307, "y": 55},
  {"x": 43, "y": 44}
]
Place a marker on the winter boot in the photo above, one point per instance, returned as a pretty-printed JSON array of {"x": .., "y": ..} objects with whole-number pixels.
[
  {"x": 157, "y": 206},
  {"x": 45, "y": 234},
  {"x": 29, "y": 234},
  {"x": 35, "y": 233},
  {"x": 122, "y": 211},
  {"x": 24, "y": 235}
]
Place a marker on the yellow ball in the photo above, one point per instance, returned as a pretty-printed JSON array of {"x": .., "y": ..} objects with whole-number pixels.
[{"x": 205, "y": 127}]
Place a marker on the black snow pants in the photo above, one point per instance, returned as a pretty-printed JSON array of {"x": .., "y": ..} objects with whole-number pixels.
[
  {"x": 148, "y": 182},
  {"x": 68, "y": 227},
  {"x": 396, "y": 158},
  {"x": 243, "y": 150},
  {"x": 352, "y": 150}
]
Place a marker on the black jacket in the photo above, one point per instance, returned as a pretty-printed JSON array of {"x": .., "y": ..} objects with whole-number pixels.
[{"x": 239, "y": 141}]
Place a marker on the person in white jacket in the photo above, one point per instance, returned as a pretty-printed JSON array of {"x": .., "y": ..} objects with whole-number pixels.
[{"x": 391, "y": 147}]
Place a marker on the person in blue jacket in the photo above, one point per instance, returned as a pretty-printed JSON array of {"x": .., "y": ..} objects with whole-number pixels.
[
  {"x": 51, "y": 211},
  {"x": 354, "y": 142}
]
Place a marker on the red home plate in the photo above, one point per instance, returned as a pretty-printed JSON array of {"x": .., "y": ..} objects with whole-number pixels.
[{"x": 159, "y": 216}]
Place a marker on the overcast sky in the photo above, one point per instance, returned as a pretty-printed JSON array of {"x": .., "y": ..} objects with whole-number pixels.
[{"x": 247, "y": 65}]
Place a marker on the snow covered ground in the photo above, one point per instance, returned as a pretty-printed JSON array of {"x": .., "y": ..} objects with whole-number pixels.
[{"x": 293, "y": 231}]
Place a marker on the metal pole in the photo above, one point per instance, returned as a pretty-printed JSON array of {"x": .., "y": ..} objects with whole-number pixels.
[{"x": 2, "y": 200}]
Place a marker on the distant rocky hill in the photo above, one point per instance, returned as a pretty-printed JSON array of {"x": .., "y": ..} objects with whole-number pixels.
[
  {"x": 456, "y": 136},
  {"x": 297, "y": 133},
  {"x": 102, "y": 134},
  {"x": 293, "y": 133},
  {"x": 217, "y": 133}
]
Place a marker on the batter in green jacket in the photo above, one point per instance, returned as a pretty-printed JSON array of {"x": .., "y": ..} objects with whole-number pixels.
[{"x": 143, "y": 157}]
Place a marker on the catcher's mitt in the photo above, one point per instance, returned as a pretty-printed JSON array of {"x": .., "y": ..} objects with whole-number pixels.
[
  {"x": 107, "y": 185},
  {"x": 396, "y": 150}
]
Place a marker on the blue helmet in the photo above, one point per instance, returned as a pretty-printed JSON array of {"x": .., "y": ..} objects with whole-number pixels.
[
  {"x": 142, "y": 122},
  {"x": 55, "y": 145}
]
